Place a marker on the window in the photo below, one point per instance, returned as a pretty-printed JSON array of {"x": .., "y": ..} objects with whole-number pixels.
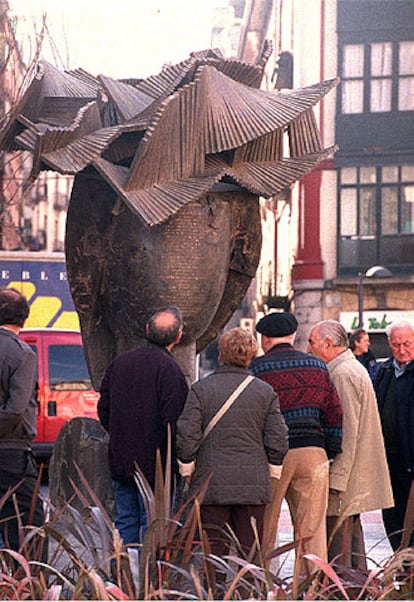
[
  {"x": 377, "y": 77},
  {"x": 284, "y": 71},
  {"x": 353, "y": 79},
  {"x": 376, "y": 218},
  {"x": 406, "y": 77},
  {"x": 67, "y": 368},
  {"x": 381, "y": 77}
]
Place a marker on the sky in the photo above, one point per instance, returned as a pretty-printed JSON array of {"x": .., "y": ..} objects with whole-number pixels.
[{"x": 121, "y": 38}]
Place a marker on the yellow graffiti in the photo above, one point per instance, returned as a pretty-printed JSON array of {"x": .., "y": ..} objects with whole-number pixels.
[{"x": 43, "y": 309}]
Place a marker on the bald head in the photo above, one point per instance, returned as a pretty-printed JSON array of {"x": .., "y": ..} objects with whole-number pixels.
[{"x": 164, "y": 328}]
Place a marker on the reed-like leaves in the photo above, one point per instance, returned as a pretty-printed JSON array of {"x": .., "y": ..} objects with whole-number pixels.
[{"x": 88, "y": 561}]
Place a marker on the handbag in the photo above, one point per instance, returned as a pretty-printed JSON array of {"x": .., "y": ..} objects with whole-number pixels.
[{"x": 226, "y": 405}]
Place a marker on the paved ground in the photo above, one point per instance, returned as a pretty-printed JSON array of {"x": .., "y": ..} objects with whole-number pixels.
[{"x": 376, "y": 543}]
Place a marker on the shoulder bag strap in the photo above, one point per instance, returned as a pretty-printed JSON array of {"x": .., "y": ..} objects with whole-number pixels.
[{"x": 226, "y": 405}]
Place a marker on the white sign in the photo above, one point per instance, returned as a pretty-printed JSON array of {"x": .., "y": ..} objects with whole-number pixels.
[{"x": 373, "y": 321}]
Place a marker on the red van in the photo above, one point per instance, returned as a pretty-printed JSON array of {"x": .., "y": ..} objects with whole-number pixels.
[{"x": 65, "y": 388}]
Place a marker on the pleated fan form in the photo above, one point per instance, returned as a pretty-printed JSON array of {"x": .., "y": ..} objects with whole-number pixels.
[{"x": 168, "y": 174}]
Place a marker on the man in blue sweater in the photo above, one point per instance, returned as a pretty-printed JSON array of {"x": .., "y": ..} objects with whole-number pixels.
[{"x": 143, "y": 391}]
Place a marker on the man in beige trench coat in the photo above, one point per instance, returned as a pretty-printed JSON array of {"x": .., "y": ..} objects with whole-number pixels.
[{"x": 359, "y": 480}]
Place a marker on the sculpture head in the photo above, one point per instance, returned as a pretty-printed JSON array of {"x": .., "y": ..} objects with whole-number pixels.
[{"x": 168, "y": 174}]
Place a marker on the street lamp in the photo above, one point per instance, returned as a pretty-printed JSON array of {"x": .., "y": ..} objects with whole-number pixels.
[{"x": 375, "y": 271}]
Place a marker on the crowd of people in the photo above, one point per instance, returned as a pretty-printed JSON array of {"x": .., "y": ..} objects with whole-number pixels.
[{"x": 329, "y": 430}]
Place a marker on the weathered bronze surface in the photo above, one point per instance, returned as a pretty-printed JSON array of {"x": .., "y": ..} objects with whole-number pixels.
[
  {"x": 168, "y": 172},
  {"x": 204, "y": 256},
  {"x": 81, "y": 454}
]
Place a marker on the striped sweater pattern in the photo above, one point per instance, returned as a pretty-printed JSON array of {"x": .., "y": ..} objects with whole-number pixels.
[{"x": 308, "y": 398}]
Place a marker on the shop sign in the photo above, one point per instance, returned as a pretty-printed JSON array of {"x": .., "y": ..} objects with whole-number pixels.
[{"x": 373, "y": 321}]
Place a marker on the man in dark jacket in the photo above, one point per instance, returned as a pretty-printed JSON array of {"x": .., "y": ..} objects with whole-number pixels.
[
  {"x": 359, "y": 345},
  {"x": 18, "y": 416},
  {"x": 143, "y": 391},
  {"x": 312, "y": 411},
  {"x": 394, "y": 386}
]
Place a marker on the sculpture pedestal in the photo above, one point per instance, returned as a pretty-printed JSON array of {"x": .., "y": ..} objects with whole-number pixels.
[{"x": 81, "y": 448}]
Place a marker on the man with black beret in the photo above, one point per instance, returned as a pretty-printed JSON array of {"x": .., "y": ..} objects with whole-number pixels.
[
  {"x": 312, "y": 411},
  {"x": 276, "y": 325}
]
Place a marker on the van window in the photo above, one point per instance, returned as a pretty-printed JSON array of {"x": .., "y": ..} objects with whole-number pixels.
[{"x": 68, "y": 368}]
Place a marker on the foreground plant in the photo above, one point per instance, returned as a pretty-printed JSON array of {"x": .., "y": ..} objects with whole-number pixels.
[{"x": 88, "y": 561}]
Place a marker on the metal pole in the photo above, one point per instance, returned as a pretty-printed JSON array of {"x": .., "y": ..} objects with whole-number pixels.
[{"x": 361, "y": 300}]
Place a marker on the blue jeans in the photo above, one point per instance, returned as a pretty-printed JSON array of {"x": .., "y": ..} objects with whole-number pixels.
[{"x": 131, "y": 519}]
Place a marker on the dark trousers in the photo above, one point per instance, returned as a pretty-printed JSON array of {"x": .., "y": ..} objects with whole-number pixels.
[
  {"x": 15, "y": 466},
  {"x": 394, "y": 517},
  {"x": 238, "y": 517},
  {"x": 347, "y": 546}
]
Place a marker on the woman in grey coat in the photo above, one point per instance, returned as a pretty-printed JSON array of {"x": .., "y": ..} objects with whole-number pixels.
[{"x": 242, "y": 451}]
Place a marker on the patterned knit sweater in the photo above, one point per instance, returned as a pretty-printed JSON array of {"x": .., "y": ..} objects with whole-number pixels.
[{"x": 308, "y": 398}]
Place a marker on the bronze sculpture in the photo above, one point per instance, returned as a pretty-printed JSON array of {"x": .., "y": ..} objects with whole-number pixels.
[{"x": 168, "y": 172}]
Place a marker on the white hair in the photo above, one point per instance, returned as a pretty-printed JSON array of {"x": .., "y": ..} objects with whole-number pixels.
[
  {"x": 334, "y": 330},
  {"x": 399, "y": 325}
]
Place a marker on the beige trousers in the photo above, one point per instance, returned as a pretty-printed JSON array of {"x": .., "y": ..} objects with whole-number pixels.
[{"x": 305, "y": 485}]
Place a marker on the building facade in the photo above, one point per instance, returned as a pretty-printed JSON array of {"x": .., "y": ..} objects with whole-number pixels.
[
  {"x": 355, "y": 211},
  {"x": 32, "y": 214}
]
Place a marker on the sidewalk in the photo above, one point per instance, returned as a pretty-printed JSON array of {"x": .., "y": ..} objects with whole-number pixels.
[{"x": 377, "y": 545}]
